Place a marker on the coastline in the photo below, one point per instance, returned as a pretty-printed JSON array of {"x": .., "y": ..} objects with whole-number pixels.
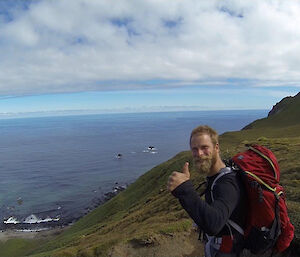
[{"x": 41, "y": 230}]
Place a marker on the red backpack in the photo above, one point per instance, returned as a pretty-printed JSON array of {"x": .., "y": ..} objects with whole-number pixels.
[{"x": 268, "y": 225}]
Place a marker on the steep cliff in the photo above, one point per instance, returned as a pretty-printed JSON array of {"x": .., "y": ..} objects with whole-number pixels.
[
  {"x": 284, "y": 113},
  {"x": 283, "y": 105}
]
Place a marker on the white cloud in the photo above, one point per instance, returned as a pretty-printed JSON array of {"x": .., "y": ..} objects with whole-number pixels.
[{"x": 77, "y": 45}]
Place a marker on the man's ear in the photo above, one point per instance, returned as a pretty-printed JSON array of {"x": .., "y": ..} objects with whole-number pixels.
[{"x": 217, "y": 147}]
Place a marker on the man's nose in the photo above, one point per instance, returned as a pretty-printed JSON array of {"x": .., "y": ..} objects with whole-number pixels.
[{"x": 198, "y": 153}]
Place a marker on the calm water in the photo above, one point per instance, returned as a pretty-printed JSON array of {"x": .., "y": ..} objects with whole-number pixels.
[{"x": 62, "y": 165}]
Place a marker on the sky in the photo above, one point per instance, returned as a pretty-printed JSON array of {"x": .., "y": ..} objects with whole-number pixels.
[{"x": 151, "y": 55}]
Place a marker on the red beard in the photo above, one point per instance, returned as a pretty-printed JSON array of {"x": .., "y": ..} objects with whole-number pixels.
[{"x": 205, "y": 163}]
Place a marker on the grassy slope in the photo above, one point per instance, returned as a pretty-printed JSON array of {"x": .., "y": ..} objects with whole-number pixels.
[
  {"x": 287, "y": 113},
  {"x": 146, "y": 209}
]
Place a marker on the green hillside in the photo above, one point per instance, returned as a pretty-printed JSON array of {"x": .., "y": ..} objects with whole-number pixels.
[
  {"x": 285, "y": 113},
  {"x": 145, "y": 219}
]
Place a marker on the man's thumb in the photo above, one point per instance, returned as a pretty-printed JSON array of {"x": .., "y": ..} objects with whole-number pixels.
[{"x": 185, "y": 169}]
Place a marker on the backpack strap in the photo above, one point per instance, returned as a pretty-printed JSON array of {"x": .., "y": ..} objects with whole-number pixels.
[
  {"x": 236, "y": 227},
  {"x": 225, "y": 171},
  {"x": 222, "y": 172}
]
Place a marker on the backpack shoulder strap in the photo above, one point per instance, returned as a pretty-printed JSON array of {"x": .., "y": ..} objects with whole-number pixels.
[
  {"x": 225, "y": 171},
  {"x": 222, "y": 172}
]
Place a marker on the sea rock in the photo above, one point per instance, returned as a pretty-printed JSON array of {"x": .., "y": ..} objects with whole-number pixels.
[{"x": 114, "y": 192}]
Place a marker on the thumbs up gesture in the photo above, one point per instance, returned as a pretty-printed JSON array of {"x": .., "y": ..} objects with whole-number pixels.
[{"x": 177, "y": 178}]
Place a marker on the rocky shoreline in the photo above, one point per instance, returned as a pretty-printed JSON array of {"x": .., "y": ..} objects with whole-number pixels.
[{"x": 34, "y": 223}]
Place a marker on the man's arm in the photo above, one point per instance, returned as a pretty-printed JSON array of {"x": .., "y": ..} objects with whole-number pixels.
[{"x": 210, "y": 217}]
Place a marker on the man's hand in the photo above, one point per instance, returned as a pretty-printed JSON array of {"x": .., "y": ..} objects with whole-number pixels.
[{"x": 177, "y": 178}]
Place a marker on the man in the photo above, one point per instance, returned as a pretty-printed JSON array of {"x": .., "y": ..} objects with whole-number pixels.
[{"x": 222, "y": 215}]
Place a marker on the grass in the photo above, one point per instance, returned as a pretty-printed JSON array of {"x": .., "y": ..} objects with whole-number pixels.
[{"x": 18, "y": 247}]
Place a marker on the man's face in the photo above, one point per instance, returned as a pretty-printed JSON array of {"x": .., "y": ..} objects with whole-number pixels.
[{"x": 204, "y": 152}]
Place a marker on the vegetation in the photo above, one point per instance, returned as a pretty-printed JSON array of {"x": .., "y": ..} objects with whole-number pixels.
[
  {"x": 284, "y": 114},
  {"x": 145, "y": 212}
]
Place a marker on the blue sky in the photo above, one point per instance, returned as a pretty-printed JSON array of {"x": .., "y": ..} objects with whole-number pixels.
[{"x": 133, "y": 56}]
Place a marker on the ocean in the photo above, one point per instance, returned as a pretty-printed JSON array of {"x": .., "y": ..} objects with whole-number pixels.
[{"x": 61, "y": 167}]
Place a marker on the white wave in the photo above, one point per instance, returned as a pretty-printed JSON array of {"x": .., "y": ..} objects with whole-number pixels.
[
  {"x": 32, "y": 219},
  {"x": 32, "y": 230},
  {"x": 48, "y": 219},
  {"x": 11, "y": 220},
  {"x": 150, "y": 149}
]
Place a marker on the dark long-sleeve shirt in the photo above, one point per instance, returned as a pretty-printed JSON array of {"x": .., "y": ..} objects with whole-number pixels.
[{"x": 211, "y": 216}]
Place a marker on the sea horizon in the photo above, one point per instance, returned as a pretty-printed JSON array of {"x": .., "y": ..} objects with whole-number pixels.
[{"x": 66, "y": 113}]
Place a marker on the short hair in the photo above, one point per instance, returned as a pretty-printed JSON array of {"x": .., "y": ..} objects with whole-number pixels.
[{"x": 207, "y": 131}]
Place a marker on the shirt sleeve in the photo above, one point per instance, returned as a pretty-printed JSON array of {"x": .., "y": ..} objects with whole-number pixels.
[{"x": 211, "y": 218}]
